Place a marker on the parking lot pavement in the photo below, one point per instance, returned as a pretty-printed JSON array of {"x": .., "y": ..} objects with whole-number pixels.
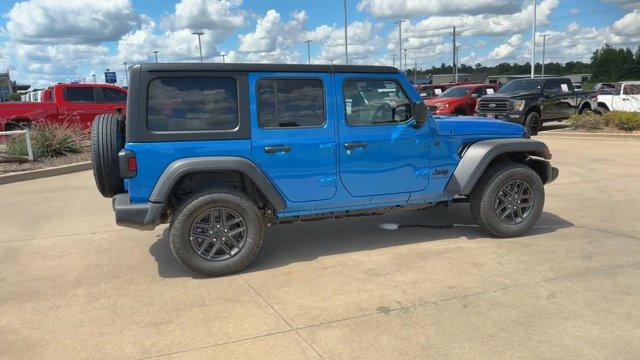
[{"x": 72, "y": 284}]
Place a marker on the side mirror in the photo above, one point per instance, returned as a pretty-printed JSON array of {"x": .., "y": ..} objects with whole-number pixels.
[
  {"x": 420, "y": 112},
  {"x": 549, "y": 93},
  {"x": 474, "y": 96}
]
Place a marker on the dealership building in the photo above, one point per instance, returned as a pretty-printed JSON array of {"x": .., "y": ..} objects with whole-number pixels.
[{"x": 7, "y": 86}]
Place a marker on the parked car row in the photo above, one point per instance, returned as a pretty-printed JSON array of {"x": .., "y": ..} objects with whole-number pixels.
[
  {"x": 529, "y": 102},
  {"x": 65, "y": 103}
]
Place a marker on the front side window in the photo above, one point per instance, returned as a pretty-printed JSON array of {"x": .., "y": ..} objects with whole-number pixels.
[
  {"x": 286, "y": 103},
  {"x": 79, "y": 94},
  {"x": 192, "y": 104},
  {"x": 631, "y": 90},
  {"x": 553, "y": 86},
  {"x": 373, "y": 101},
  {"x": 113, "y": 96},
  {"x": 456, "y": 92}
]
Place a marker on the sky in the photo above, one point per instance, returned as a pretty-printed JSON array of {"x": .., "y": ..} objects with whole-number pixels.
[{"x": 48, "y": 41}]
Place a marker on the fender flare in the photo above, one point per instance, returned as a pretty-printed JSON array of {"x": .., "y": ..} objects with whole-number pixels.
[
  {"x": 478, "y": 156},
  {"x": 179, "y": 168}
]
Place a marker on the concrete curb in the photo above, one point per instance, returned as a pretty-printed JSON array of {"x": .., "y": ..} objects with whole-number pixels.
[
  {"x": 577, "y": 135},
  {"x": 42, "y": 173}
]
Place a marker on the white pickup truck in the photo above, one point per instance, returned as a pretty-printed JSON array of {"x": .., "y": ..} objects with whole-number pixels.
[{"x": 625, "y": 97}]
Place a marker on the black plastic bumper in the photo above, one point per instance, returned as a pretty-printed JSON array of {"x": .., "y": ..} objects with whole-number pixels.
[{"x": 137, "y": 216}]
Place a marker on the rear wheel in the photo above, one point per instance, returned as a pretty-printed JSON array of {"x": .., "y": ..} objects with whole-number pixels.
[
  {"x": 217, "y": 232},
  {"x": 507, "y": 200},
  {"x": 107, "y": 139},
  {"x": 533, "y": 123}
]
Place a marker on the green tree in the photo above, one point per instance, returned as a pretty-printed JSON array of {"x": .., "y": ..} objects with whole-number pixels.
[
  {"x": 613, "y": 64},
  {"x": 14, "y": 97}
]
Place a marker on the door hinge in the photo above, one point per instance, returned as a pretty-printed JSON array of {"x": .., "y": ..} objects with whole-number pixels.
[{"x": 328, "y": 181}]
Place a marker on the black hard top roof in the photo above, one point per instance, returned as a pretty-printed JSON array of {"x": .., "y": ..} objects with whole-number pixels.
[{"x": 267, "y": 67}]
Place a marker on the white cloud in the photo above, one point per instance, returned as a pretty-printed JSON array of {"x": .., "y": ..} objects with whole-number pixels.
[
  {"x": 506, "y": 49},
  {"x": 628, "y": 4},
  {"x": 628, "y": 25},
  {"x": 271, "y": 34},
  {"x": 413, "y": 8},
  {"x": 362, "y": 38},
  {"x": 70, "y": 21}
]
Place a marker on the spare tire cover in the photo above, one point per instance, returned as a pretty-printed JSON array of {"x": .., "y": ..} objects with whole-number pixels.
[{"x": 107, "y": 139}]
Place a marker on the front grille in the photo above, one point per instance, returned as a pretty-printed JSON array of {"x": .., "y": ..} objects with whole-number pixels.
[{"x": 495, "y": 105}]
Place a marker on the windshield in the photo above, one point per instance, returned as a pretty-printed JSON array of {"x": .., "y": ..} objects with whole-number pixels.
[
  {"x": 521, "y": 86},
  {"x": 456, "y": 92}
]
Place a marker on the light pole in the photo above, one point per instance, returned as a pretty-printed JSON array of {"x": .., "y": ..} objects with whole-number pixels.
[
  {"x": 223, "y": 55},
  {"x": 544, "y": 50},
  {"x": 126, "y": 74},
  {"x": 308, "y": 51},
  {"x": 346, "y": 50},
  {"x": 415, "y": 70},
  {"x": 455, "y": 34},
  {"x": 405, "y": 59},
  {"x": 199, "y": 33},
  {"x": 156, "y": 54},
  {"x": 457, "y": 63},
  {"x": 394, "y": 60},
  {"x": 533, "y": 42},
  {"x": 399, "y": 22},
  {"x": 332, "y": 60}
]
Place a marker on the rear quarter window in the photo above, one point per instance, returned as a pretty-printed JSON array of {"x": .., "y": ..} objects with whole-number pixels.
[{"x": 192, "y": 104}]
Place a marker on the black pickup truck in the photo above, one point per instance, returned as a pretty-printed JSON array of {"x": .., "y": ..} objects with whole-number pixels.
[{"x": 531, "y": 102}]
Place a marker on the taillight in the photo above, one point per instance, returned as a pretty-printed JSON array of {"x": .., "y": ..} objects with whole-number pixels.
[
  {"x": 131, "y": 164},
  {"x": 127, "y": 164}
]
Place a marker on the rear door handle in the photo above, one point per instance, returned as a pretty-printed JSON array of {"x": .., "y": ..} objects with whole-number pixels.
[
  {"x": 355, "y": 145},
  {"x": 277, "y": 149}
]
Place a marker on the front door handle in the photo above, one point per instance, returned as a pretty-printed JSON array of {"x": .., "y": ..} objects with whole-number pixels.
[
  {"x": 277, "y": 149},
  {"x": 355, "y": 145}
]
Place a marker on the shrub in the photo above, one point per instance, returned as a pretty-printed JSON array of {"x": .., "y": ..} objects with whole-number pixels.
[
  {"x": 588, "y": 121},
  {"x": 625, "y": 121},
  {"x": 48, "y": 140}
]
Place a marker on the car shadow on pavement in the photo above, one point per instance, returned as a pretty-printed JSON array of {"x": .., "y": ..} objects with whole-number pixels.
[{"x": 307, "y": 241}]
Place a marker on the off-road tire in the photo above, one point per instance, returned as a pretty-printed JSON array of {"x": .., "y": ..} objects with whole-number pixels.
[
  {"x": 533, "y": 123},
  {"x": 483, "y": 198},
  {"x": 600, "y": 110},
  {"x": 185, "y": 215},
  {"x": 107, "y": 139}
]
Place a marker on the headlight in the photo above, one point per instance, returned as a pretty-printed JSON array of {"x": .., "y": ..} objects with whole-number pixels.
[
  {"x": 444, "y": 106},
  {"x": 518, "y": 105}
]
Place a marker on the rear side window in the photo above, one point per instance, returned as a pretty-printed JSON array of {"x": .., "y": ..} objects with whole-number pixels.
[
  {"x": 192, "y": 104},
  {"x": 286, "y": 103},
  {"x": 79, "y": 94},
  {"x": 113, "y": 96}
]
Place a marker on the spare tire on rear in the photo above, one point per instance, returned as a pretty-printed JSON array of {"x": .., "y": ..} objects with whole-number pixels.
[{"x": 107, "y": 139}]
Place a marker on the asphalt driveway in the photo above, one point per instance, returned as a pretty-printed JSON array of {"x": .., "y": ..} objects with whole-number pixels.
[{"x": 74, "y": 285}]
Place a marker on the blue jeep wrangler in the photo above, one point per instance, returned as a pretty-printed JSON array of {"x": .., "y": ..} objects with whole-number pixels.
[{"x": 222, "y": 151}]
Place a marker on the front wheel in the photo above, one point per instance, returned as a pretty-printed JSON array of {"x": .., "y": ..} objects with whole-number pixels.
[
  {"x": 507, "y": 200},
  {"x": 533, "y": 123},
  {"x": 217, "y": 232}
]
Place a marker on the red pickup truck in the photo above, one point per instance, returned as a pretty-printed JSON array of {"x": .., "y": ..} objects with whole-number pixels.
[
  {"x": 65, "y": 103},
  {"x": 459, "y": 100}
]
